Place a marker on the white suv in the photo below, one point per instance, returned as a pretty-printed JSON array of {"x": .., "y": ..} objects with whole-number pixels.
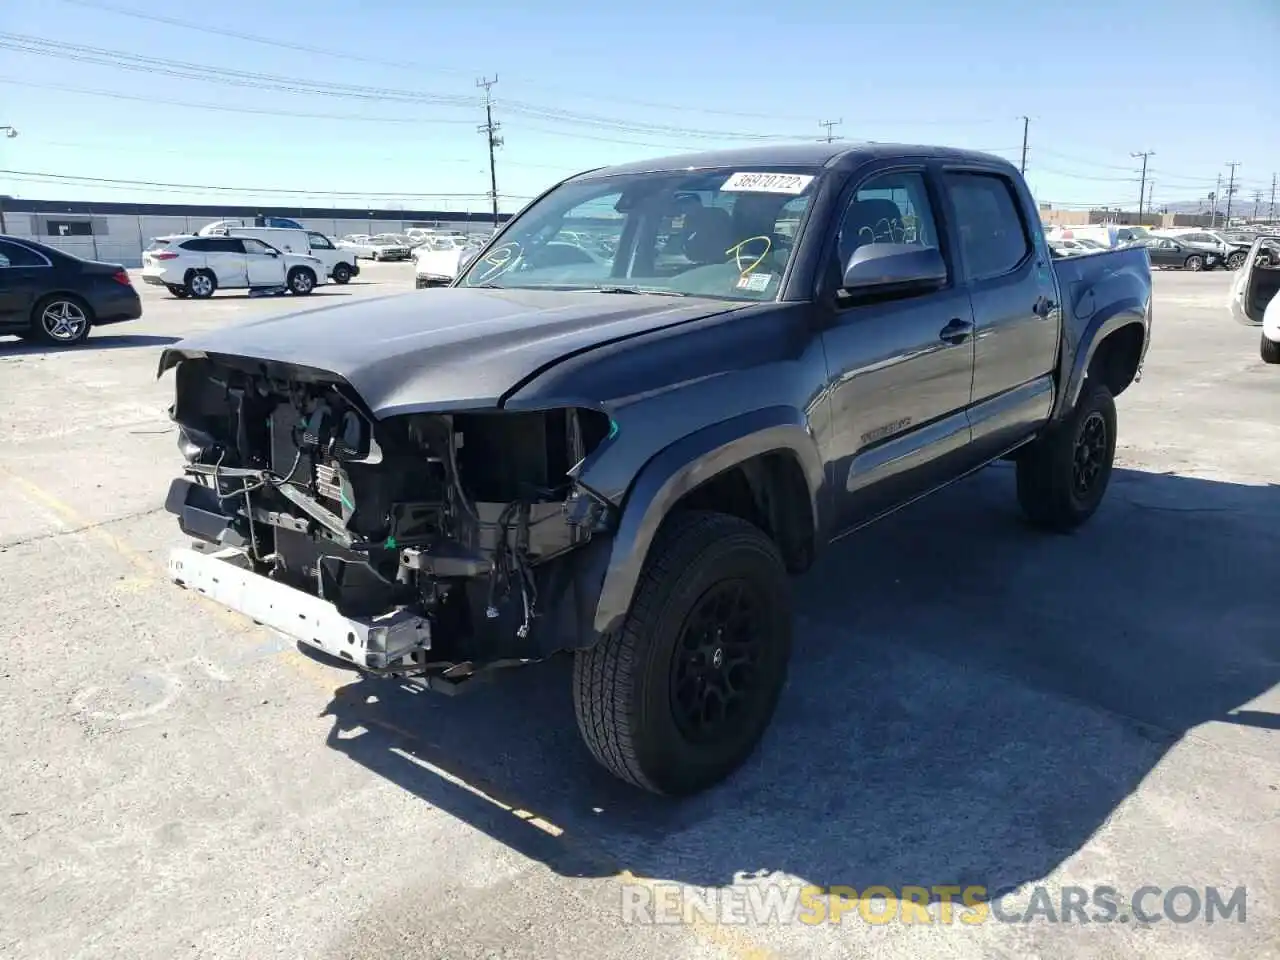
[{"x": 193, "y": 266}]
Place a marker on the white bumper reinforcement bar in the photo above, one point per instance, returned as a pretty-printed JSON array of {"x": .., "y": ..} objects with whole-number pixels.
[{"x": 373, "y": 642}]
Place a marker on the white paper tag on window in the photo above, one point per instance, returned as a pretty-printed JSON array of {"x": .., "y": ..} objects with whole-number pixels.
[
  {"x": 791, "y": 183},
  {"x": 755, "y": 282}
]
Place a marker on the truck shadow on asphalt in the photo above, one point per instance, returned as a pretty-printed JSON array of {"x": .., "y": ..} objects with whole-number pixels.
[{"x": 968, "y": 701}]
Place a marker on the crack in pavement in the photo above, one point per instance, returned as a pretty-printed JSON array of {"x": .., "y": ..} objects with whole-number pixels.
[{"x": 69, "y": 531}]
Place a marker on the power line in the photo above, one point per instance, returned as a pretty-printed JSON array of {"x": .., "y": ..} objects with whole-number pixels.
[
  {"x": 194, "y": 105},
  {"x": 206, "y": 29},
  {"x": 40, "y": 175},
  {"x": 119, "y": 59}
]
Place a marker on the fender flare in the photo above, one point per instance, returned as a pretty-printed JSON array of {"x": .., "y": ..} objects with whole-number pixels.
[
  {"x": 1122, "y": 312},
  {"x": 681, "y": 467}
]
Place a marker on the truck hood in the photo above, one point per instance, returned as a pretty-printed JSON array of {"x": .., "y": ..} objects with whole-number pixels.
[{"x": 445, "y": 349}]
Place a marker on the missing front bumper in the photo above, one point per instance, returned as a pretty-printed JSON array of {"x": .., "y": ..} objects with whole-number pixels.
[{"x": 375, "y": 643}]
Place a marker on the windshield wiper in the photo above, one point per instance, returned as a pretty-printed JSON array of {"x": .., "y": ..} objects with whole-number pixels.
[{"x": 655, "y": 291}]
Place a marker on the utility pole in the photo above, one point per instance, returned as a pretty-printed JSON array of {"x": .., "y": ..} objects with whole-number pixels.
[
  {"x": 1026, "y": 123},
  {"x": 1231, "y": 189},
  {"x": 1142, "y": 187},
  {"x": 11, "y": 132},
  {"x": 1271, "y": 214},
  {"x": 490, "y": 130},
  {"x": 1257, "y": 200},
  {"x": 1217, "y": 192},
  {"x": 1151, "y": 200},
  {"x": 829, "y": 124}
]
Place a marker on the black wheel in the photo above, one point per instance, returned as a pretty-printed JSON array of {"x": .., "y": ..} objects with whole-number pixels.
[
  {"x": 1194, "y": 262},
  {"x": 1236, "y": 260},
  {"x": 301, "y": 281},
  {"x": 1063, "y": 475},
  {"x": 1270, "y": 350},
  {"x": 177, "y": 291},
  {"x": 201, "y": 284},
  {"x": 677, "y": 699},
  {"x": 61, "y": 320},
  {"x": 341, "y": 273}
]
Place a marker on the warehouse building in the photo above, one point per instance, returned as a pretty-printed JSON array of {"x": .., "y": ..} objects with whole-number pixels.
[{"x": 119, "y": 232}]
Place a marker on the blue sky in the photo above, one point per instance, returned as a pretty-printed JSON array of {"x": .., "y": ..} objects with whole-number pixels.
[{"x": 586, "y": 84}]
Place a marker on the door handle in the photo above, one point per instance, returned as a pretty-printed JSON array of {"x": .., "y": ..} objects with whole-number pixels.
[
  {"x": 957, "y": 331},
  {"x": 1043, "y": 307}
]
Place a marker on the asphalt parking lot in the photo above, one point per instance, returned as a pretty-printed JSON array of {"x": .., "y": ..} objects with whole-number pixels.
[{"x": 970, "y": 704}]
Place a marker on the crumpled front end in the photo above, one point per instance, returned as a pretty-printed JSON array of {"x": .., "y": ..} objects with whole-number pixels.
[{"x": 428, "y": 544}]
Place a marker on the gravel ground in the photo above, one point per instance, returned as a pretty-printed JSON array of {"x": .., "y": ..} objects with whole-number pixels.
[{"x": 970, "y": 704}]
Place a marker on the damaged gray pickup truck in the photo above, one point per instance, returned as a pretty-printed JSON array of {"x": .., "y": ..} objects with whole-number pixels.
[{"x": 658, "y": 391}]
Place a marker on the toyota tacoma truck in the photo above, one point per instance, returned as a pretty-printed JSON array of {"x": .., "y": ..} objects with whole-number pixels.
[{"x": 626, "y": 457}]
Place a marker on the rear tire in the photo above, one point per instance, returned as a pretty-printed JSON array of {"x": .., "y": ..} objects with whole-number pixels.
[
  {"x": 61, "y": 320},
  {"x": 1194, "y": 263},
  {"x": 201, "y": 284},
  {"x": 682, "y": 693},
  {"x": 341, "y": 273},
  {"x": 1063, "y": 475},
  {"x": 1269, "y": 350},
  {"x": 301, "y": 281}
]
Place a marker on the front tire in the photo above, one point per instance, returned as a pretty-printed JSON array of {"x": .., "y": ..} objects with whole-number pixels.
[
  {"x": 61, "y": 320},
  {"x": 341, "y": 273},
  {"x": 301, "y": 281},
  {"x": 678, "y": 697},
  {"x": 1236, "y": 260},
  {"x": 1269, "y": 350},
  {"x": 1063, "y": 475}
]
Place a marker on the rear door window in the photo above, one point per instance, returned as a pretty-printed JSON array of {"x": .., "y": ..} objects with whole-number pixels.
[
  {"x": 16, "y": 255},
  {"x": 994, "y": 240}
]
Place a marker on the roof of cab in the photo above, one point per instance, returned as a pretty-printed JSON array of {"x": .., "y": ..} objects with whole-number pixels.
[{"x": 784, "y": 155}]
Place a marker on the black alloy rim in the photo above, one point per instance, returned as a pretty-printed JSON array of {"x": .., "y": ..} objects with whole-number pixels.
[
  {"x": 1090, "y": 454},
  {"x": 715, "y": 667}
]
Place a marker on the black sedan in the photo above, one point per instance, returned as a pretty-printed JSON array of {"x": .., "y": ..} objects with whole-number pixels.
[
  {"x": 1176, "y": 252},
  {"x": 53, "y": 297}
]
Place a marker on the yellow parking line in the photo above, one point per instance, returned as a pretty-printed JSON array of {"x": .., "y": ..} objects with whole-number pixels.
[{"x": 729, "y": 939}]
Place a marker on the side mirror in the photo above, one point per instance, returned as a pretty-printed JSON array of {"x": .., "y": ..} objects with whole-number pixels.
[{"x": 881, "y": 266}]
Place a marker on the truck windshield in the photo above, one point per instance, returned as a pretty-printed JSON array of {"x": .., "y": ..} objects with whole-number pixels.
[{"x": 723, "y": 233}]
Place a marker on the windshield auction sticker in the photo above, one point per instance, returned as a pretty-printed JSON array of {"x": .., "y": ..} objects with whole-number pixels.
[{"x": 791, "y": 183}]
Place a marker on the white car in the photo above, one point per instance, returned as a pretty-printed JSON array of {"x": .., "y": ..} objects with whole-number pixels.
[
  {"x": 439, "y": 260},
  {"x": 196, "y": 267},
  {"x": 339, "y": 265}
]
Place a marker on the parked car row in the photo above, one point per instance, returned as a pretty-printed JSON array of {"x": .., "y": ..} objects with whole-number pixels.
[{"x": 382, "y": 246}]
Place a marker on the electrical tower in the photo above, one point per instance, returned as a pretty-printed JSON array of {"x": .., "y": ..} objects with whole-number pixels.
[
  {"x": 1142, "y": 187},
  {"x": 1026, "y": 124},
  {"x": 1231, "y": 189},
  {"x": 829, "y": 124},
  {"x": 490, "y": 130}
]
